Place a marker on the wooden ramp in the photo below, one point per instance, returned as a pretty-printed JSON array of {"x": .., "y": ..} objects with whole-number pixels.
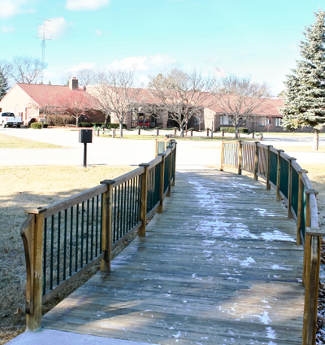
[{"x": 218, "y": 266}]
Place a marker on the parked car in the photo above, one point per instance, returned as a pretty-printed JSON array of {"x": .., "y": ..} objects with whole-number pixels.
[{"x": 8, "y": 119}]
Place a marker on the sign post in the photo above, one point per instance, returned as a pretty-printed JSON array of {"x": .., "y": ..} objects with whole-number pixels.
[{"x": 85, "y": 137}]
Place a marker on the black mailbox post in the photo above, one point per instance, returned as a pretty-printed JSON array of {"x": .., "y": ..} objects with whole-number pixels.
[{"x": 85, "y": 137}]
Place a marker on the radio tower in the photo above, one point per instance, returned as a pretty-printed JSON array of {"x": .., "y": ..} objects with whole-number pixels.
[{"x": 44, "y": 38}]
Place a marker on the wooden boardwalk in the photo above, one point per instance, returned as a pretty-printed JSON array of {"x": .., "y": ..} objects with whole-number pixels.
[{"x": 219, "y": 266}]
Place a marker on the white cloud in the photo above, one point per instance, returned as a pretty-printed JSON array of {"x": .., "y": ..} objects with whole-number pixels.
[
  {"x": 143, "y": 66},
  {"x": 52, "y": 28},
  {"x": 10, "y": 8},
  {"x": 80, "y": 5},
  {"x": 81, "y": 67},
  {"x": 142, "y": 63}
]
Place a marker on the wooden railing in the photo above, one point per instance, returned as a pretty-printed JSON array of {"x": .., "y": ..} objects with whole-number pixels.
[
  {"x": 66, "y": 238},
  {"x": 293, "y": 187}
]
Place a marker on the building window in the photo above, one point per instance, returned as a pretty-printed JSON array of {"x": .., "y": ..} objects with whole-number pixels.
[
  {"x": 278, "y": 121},
  {"x": 224, "y": 120},
  {"x": 264, "y": 121}
]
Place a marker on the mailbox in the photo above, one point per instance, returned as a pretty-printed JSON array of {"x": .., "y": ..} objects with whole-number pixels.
[{"x": 86, "y": 136}]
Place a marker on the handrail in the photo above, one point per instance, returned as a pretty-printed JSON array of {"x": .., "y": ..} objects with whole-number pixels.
[
  {"x": 66, "y": 237},
  {"x": 293, "y": 186}
]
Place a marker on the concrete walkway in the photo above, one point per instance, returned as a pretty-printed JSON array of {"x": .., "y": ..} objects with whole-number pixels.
[{"x": 102, "y": 150}]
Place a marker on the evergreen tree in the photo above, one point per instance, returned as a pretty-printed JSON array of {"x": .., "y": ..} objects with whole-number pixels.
[
  {"x": 3, "y": 84},
  {"x": 305, "y": 93}
]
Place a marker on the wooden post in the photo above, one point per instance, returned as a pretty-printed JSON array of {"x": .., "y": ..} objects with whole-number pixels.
[
  {"x": 162, "y": 183},
  {"x": 107, "y": 236},
  {"x": 173, "y": 147},
  {"x": 311, "y": 283},
  {"x": 240, "y": 157},
  {"x": 222, "y": 156},
  {"x": 268, "y": 167},
  {"x": 306, "y": 323},
  {"x": 34, "y": 290},
  {"x": 143, "y": 201},
  {"x": 278, "y": 176},
  {"x": 299, "y": 207},
  {"x": 307, "y": 242},
  {"x": 256, "y": 161},
  {"x": 290, "y": 215}
]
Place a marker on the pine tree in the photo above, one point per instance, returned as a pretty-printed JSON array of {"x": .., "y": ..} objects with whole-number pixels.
[
  {"x": 305, "y": 93},
  {"x": 3, "y": 84}
]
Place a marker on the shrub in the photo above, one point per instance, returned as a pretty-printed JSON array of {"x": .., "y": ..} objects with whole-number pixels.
[
  {"x": 232, "y": 130},
  {"x": 60, "y": 120},
  {"x": 115, "y": 125},
  {"x": 84, "y": 124},
  {"x": 36, "y": 125},
  {"x": 98, "y": 124}
]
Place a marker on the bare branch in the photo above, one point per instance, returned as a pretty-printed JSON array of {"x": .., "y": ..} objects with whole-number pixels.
[
  {"x": 26, "y": 70},
  {"x": 116, "y": 94},
  {"x": 182, "y": 94},
  {"x": 239, "y": 98}
]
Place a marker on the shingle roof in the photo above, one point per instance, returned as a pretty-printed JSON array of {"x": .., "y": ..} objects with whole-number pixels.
[
  {"x": 268, "y": 107},
  {"x": 58, "y": 96}
]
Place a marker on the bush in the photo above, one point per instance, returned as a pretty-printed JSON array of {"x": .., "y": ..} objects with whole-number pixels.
[
  {"x": 232, "y": 130},
  {"x": 98, "y": 124},
  {"x": 84, "y": 124},
  {"x": 60, "y": 120},
  {"x": 115, "y": 125},
  {"x": 36, "y": 125}
]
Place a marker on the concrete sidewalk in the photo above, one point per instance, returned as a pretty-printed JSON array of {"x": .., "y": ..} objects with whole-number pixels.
[{"x": 102, "y": 151}]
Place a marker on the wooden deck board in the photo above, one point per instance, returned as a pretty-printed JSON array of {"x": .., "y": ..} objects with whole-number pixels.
[{"x": 219, "y": 266}]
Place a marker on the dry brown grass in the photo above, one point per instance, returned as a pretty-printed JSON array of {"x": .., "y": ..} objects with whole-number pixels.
[{"x": 21, "y": 188}]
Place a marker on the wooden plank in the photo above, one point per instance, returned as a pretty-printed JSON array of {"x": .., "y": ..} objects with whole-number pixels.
[{"x": 218, "y": 266}]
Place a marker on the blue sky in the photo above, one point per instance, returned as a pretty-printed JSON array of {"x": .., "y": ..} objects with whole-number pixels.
[{"x": 249, "y": 38}]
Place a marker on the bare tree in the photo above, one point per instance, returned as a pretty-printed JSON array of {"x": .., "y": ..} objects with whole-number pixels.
[
  {"x": 86, "y": 77},
  {"x": 78, "y": 103},
  {"x": 182, "y": 94},
  {"x": 116, "y": 95},
  {"x": 26, "y": 70},
  {"x": 238, "y": 98}
]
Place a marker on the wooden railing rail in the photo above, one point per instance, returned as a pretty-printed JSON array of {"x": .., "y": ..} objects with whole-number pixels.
[
  {"x": 293, "y": 186},
  {"x": 69, "y": 236}
]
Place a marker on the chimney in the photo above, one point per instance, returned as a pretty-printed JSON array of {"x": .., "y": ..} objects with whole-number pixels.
[{"x": 73, "y": 84}]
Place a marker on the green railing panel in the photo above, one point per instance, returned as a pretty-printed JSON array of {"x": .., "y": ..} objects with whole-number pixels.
[
  {"x": 273, "y": 167},
  {"x": 284, "y": 175},
  {"x": 294, "y": 191}
]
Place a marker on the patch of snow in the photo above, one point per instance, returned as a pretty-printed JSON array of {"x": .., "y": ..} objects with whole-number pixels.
[
  {"x": 195, "y": 276},
  {"x": 270, "y": 333},
  {"x": 277, "y": 235},
  {"x": 263, "y": 212},
  {"x": 247, "y": 262},
  {"x": 264, "y": 318},
  {"x": 278, "y": 267},
  {"x": 209, "y": 242},
  {"x": 177, "y": 335}
]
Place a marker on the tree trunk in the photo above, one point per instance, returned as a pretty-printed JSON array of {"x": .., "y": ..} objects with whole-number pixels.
[
  {"x": 316, "y": 140},
  {"x": 121, "y": 129}
]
